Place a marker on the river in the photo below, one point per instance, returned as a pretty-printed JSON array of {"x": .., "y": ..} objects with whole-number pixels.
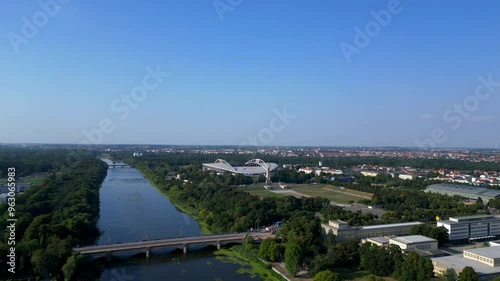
[{"x": 131, "y": 210}]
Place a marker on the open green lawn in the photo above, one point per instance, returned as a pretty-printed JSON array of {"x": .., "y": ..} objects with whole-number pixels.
[
  {"x": 351, "y": 191},
  {"x": 350, "y": 274},
  {"x": 332, "y": 195},
  {"x": 259, "y": 191},
  {"x": 34, "y": 181}
]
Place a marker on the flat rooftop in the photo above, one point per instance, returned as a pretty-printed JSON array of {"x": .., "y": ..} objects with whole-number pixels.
[
  {"x": 380, "y": 239},
  {"x": 472, "y": 217},
  {"x": 458, "y": 263},
  {"x": 390, "y": 225},
  {"x": 450, "y": 221},
  {"x": 492, "y": 252},
  {"x": 466, "y": 189},
  {"x": 413, "y": 239}
]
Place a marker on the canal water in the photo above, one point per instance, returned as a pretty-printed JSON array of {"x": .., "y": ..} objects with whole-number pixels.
[{"x": 133, "y": 210}]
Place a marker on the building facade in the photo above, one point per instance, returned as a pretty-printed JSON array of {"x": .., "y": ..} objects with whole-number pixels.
[
  {"x": 466, "y": 191},
  {"x": 485, "y": 261},
  {"x": 471, "y": 227},
  {"x": 411, "y": 242},
  {"x": 343, "y": 231},
  {"x": 489, "y": 255}
]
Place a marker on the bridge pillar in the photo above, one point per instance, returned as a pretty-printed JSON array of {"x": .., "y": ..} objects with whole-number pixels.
[
  {"x": 148, "y": 252},
  {"x": 185, "y": 248},
  {"x": 219, "y": 244},
  {"x": 109, "y": 256}
]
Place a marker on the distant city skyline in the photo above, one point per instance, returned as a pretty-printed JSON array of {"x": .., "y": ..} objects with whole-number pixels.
[{"x": 322, "y": 73}]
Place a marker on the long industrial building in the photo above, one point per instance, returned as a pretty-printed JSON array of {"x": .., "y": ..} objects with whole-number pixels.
[
  {"x": 253, "y": 167},
  {"x": 467, "y": 191},
  {"x": 485, "y": 261},
  {"x": 419, "y": 242},
  {"x": 471, "y": 227},
  {"x": 343, "y": 231}
]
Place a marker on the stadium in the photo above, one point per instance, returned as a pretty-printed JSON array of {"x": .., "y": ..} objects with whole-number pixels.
[{"x": 254, "y": 167}]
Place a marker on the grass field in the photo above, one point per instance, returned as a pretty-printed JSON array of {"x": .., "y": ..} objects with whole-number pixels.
[
  {"x": 352, "y": 274},
  {"x": 334, "y": 194},
  {"x": 259, "y": 191},
  {"x": 330, "y": 195},
  {"x": 34, "y": 181},
  {"x": 351, "y": 191}
]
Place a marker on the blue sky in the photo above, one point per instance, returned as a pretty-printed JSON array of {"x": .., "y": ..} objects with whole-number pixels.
[{"x": 230, "y": 71}]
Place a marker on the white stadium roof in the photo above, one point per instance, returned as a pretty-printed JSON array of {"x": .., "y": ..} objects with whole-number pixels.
[{"x": 253, "y": 167}]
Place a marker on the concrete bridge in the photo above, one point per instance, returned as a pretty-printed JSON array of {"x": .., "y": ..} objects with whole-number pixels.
[{"x": 181, "y": 243}]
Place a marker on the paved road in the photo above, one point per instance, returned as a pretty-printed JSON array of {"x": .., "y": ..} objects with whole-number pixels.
[{"x": 169, "y": 242}]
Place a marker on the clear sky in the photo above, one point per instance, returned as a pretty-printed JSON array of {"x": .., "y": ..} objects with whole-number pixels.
[{"x": 233, "y": 64}]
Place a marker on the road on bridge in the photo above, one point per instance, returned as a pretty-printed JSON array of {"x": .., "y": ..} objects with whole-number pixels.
[{"x": 170, "y": 242}]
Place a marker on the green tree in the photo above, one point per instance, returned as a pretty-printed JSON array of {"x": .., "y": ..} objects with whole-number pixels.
[
  {"x": 294, "y": 258},
  {"x": 69, "y": 268},
  {"x": 318, "y": 264},
  {"x": 249, "y": 242},
  {"x": 264, "y": 248},
  {"x": 450, "y": 275},
  {"x": 80, "y": 268},
  {"x": 414, "y": 268},
  {"x": 274, "y": 251},
  {"x": 326, "y": 275},
  {"x": 468, "y": 274},
  {"x": 375, "y": 278}
]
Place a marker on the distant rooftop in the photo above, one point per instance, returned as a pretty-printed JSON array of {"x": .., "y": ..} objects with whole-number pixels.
[
  {"x": 389, "y": 225},
  {"x": 381, "y": 240},
  {"x": 458, "y": 263},
  {"x": 474, "y": 217},
  {"x": 471, "y": 219},
  {"x": 492, "y": 252},
  {"x": 413, "y": 239},
  {"x": 466, "y": 189}
]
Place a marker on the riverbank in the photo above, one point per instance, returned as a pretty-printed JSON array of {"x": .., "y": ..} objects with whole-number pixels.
[
  {"x": 248, "y": 260},
  {"x": 249, "y": 263},
  {"x": 205, "y": 230}
]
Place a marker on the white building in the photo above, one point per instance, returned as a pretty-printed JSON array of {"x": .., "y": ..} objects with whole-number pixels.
[
  {"x": 406, "y": 176},
  {"x": 485, "y": 261},
  {"x": 378, "y": 241},
  {"x": 306, "y": 170},
  {"x": 489, "y": 255},
  {"x": 414, "y": 242},
  {"x": 343, "y": 231},
  {"x": 471, "y": 227},
  {"x": 369, "y": 173}
]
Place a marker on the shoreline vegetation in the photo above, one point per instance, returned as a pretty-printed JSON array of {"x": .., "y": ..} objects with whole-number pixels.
[
  {"x": 245, "y": 258},
  {"x": 55, "y": 216},
  {"x": 205, "y": 230},
  {"x": 236, "y": 254}
]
